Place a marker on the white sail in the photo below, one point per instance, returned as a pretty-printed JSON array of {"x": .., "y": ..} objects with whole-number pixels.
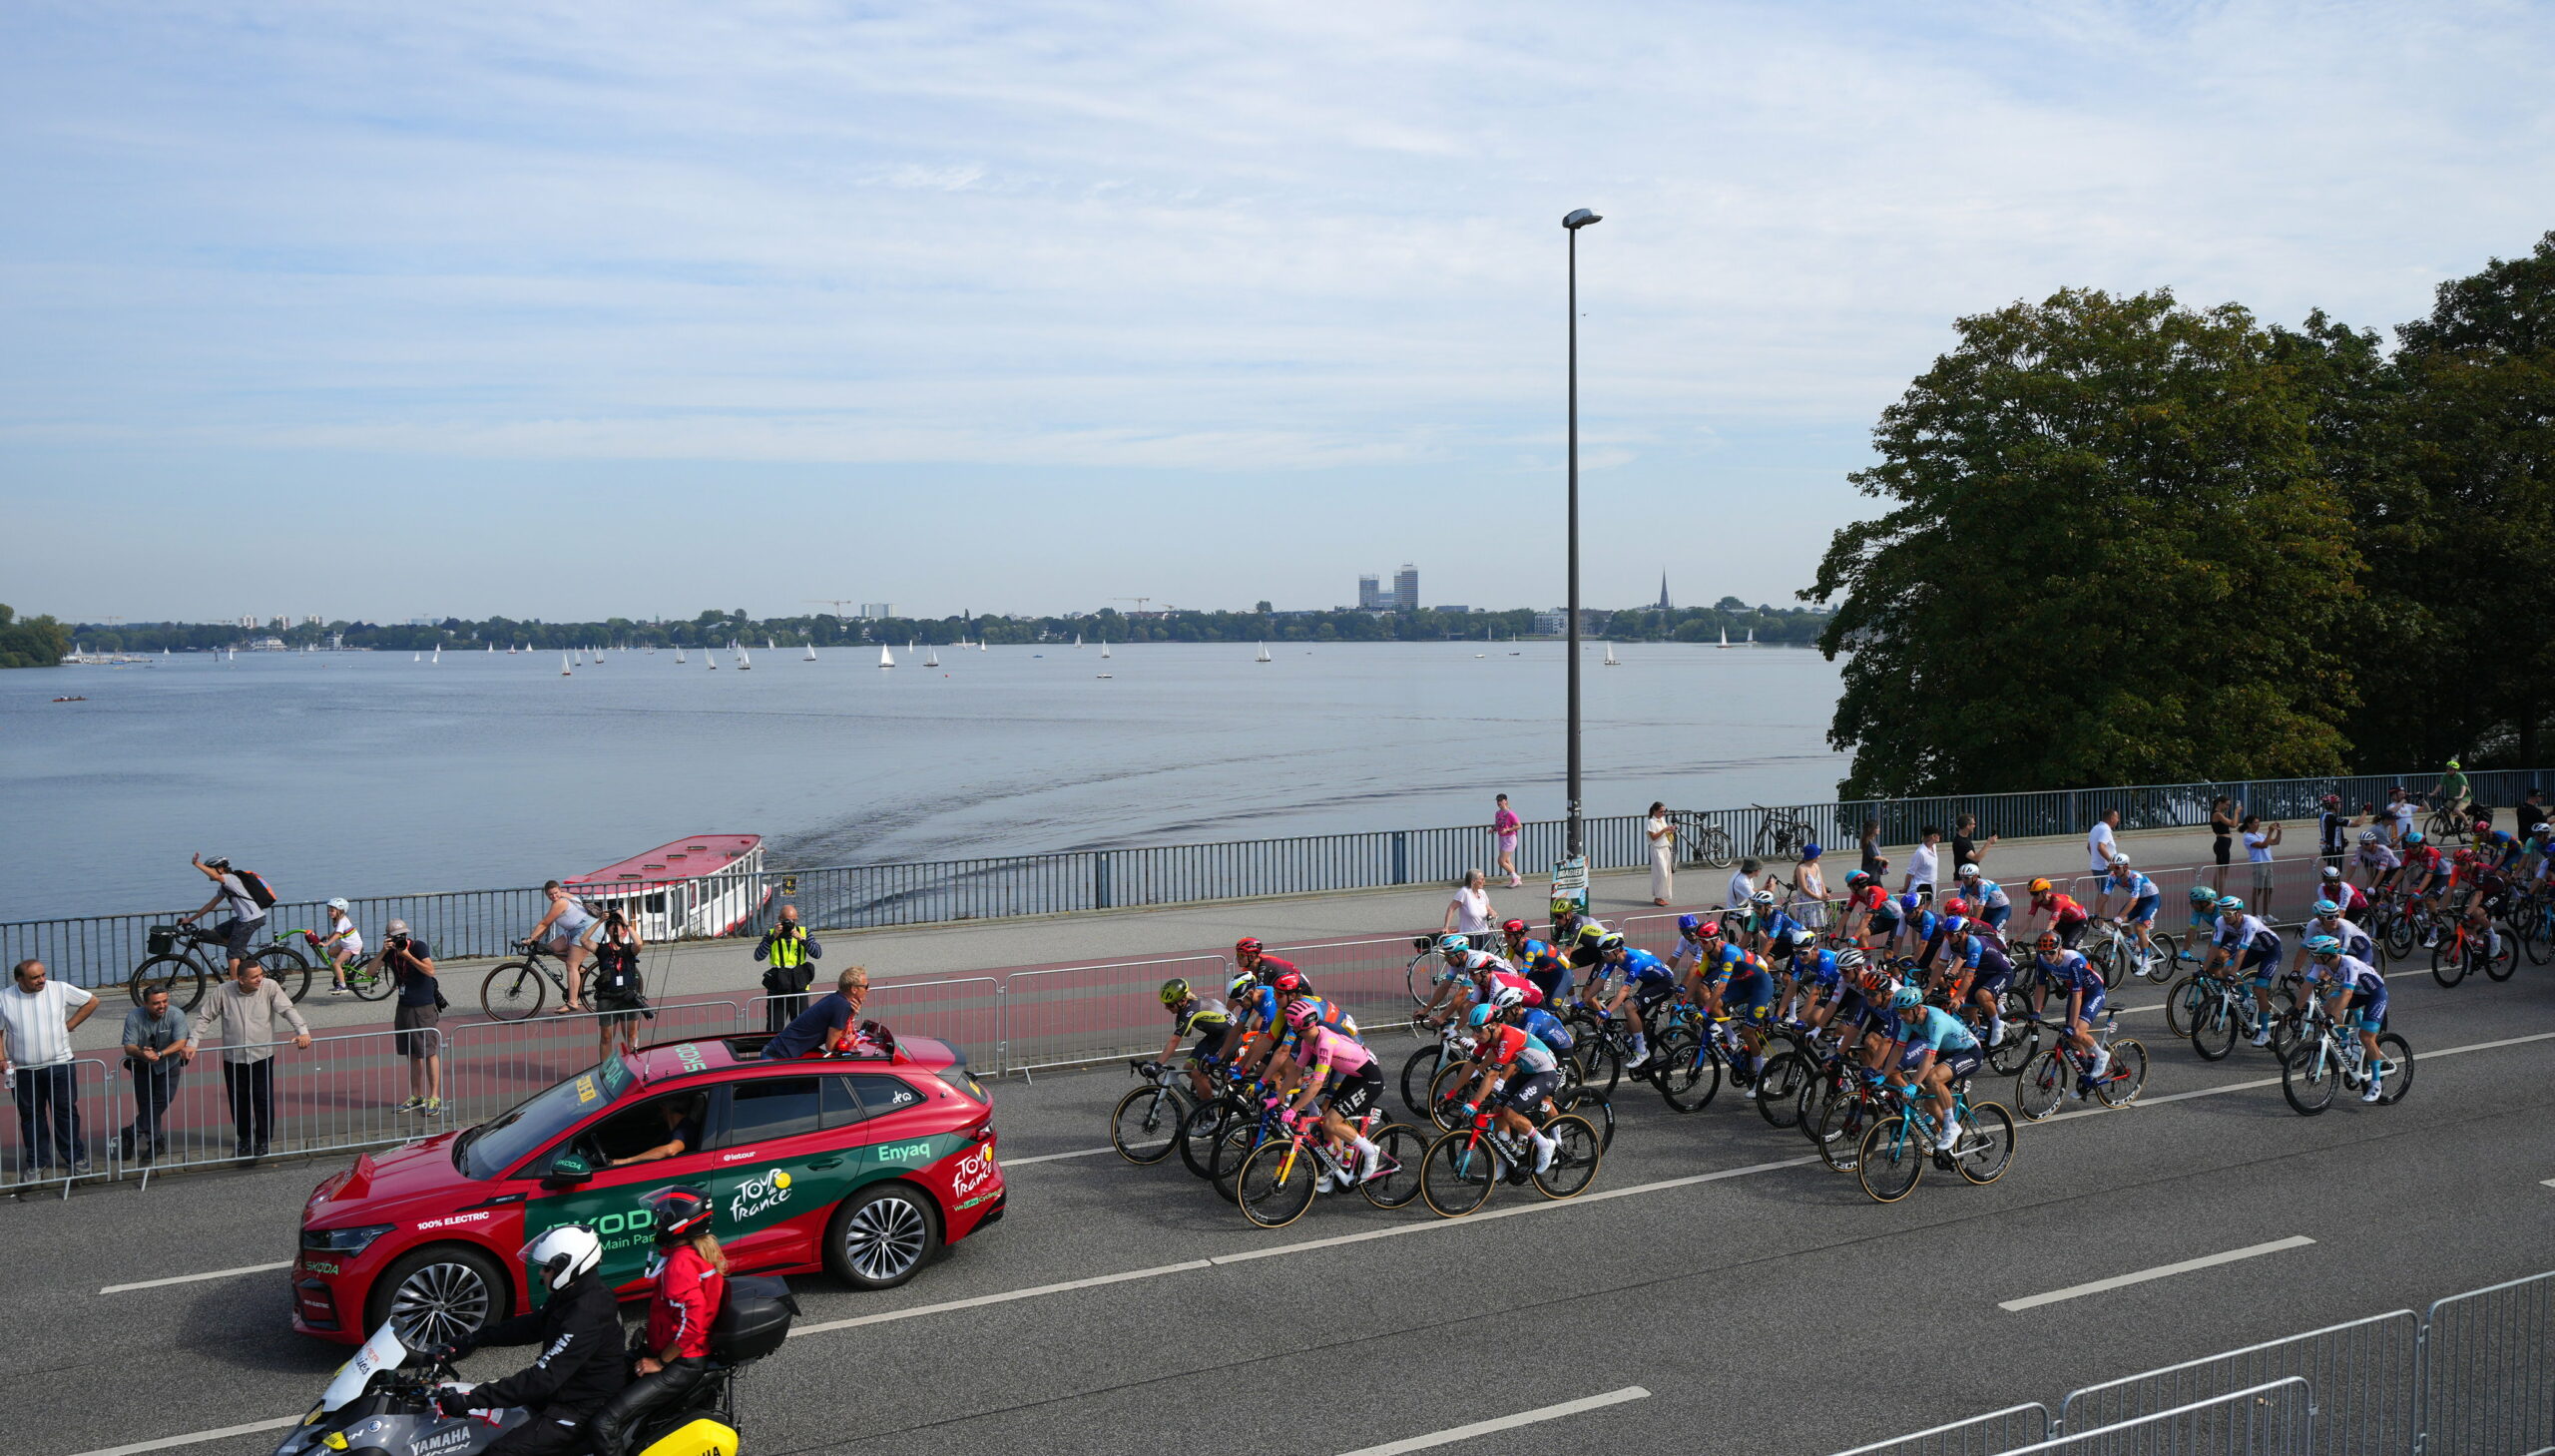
[
  {"x": 744, "y": 664},
  {"x": 1609, "y": 657},
  {"x": 768, "y": 646},
  {"x": 438, "y": 652},
  {"x": 980, "y": 645},
  {"x": 1752, "y": 637},
  {"x": 1725, "y": 636},
  {"x": 1104, "y": 648},
  {"x": 887, "y": 659},
  {"x": 562, "y": 667},
  {"x": 1077, "y": 638},
  {"x": 811, "y": 653},
  {"x": 1264, "y": 654},
  {"x": 931, "y": 657},
  {"x": 679, "y": 655}
]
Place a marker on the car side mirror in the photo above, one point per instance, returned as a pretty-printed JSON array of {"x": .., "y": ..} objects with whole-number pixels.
[{"x": 570, "y": 1167}]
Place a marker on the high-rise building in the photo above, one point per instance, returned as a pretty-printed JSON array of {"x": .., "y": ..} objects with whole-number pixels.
[
  {"x": 1406, "y": 588},
  {"x": 1664, "y": 603},
  {"x": 1369, "y": 594},
  {"x": 878, "y": 611}
]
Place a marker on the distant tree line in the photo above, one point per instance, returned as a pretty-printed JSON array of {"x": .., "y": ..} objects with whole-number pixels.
[
  {"x": 2130, "y": 542},
  {"x": 38, "y": 642}
]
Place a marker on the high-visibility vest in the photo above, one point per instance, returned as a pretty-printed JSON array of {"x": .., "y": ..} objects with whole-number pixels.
[{"x": 789, "y": 947}]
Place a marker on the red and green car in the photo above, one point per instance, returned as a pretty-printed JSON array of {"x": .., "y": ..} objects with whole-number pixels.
[{"x": 863, "y": 1166}]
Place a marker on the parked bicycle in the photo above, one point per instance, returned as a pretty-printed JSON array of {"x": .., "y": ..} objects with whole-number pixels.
[
  {"x": 1783, "y": 833},
  {"x": 516, "y": 989},
  {"x": 190, "y": 960},
  {"x": 1705, "y": 843}
]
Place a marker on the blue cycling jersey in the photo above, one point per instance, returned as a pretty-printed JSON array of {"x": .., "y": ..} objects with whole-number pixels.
[
  {"x": 1936, "y": 1028},
  {"x": 1642, "y": 966},
  {"x": 2137, "y": 886},
  {"x": 2071, "y": 971},
  {"x": 1815, "y": 965},
  {"x": 1780, "y": 925},
  {"x": 2248, "y": 931},
  {"x": 1750, "y": 986},
  {"x": 1263, "y": 1006},
  {"x": 1988, "y": 896},
  {"x": 1545, "y": 1027}
]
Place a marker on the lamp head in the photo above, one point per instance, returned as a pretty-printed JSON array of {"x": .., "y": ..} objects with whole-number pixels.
[{"x": 1580, "y": 218}]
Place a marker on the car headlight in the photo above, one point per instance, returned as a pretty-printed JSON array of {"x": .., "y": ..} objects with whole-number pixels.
[{"x": 343, "y": 1241}]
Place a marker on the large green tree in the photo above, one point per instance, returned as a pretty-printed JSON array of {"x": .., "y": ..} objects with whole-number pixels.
[
  {"x": 2109, "y": 558},
  {"x": 38, "y": 642}
]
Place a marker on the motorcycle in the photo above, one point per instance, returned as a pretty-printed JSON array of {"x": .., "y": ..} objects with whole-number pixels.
[{"x": 383, "y": 1401}]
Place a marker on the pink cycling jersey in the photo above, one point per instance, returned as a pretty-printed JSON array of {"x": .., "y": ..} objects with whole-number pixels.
[{"x": 1344, "y": 1055}]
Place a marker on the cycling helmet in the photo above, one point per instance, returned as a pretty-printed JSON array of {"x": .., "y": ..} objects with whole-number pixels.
[
  {"x": 1809, "y": 852},
  {"x": 1709, "y": 930},
  {"x": 1971, "y": 871},
  {"x": 1512, "y": 927},
  {"x": 2329, "y": 908},
  {"x": 1762, "y": 897},
  {"x": 560, "y": 1254},
  {"x": 1909, "y": 903},
  {"x": 2324, "y": 945},
  {"x": 1300, "y": 1015},
  {"x": 2040, "y": 886},
  {"x": 2333, "y": 871},
  {"x": 2230, "y": 905},
  {"x": 1849, "y": 960},
  {"x": 1247, "y": 947},
  {"x": 1174, "y": 991},
  {"x": 2204, "y": 896},
  {"x": 1564, "y": 908},
  {"x": 1241, "y": 985},
  {"x": 1858, "y": 880},
  {"x": 1687, "y": 923},
  {"x": 1507, "y": 998},
  {"x": 2048, "y": 940},
  {"x": 1288, "y": 983},
  {"x": 2368, "y": 837},
  {"x": 1955, "y": 907},
  {"x": 680, "y": 1214},
  {"x": 337, "y": 904},
  {"x": 1481, "y": 1016},
  {"x": 2412, "y": 836},
  {"x": 1908, "y": 998},
  {"x": 2452, "y": 766},
  {"x": 1453, "y": 944},
  {"x": 1612, "y": 944},
  {"x": 2334, "y": 799},
  {"x": 1729, "y": 955},
  {"x": 2120, "y": 861}
]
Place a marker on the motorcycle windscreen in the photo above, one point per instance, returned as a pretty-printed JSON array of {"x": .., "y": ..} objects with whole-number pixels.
[
  {"x": 703, "y": 1437},
  {"x": 381, "y": 1352}
]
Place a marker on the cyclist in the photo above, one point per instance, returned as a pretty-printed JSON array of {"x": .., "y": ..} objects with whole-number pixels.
[
  {"x": 2452, "y": 794},
  {"x": 1745, "y": 994},
  {"x": 1339, "y": 1069},
  {"x": 2256, "y": 947},
  {"x": 1864, "y": 898},
  {"x": 1535, "y": 1021},
  {"x": 342, "y": 945},
  {"x": 2062, "y": 968},
  {"x": 2425, "y": 879},
  {"x": 1987, "y": 898},
  {"x": 1647, "y": 983},
  {"x": 2064, "y": 914},
  {"x": 1815, "y": 978},
  {"x": 1769, "y": 925},
  {"x": 1538, "y": 960},
  {"x": 2334, "y": 887},
  {"x": 247, "y": 919},
  {"x": 1940, "y": 1049},
  {"x": 2204, "y": 924},
  {"x": 1980, "y": 974},
  {"x": 1586, "y": 944},
  {"x": 1250, "y": 955},
  {"x": 1948, "y": 927},
  {"x": 2376, "y": 859},
  {"x": 2141, "y": 896},
  {"x": 1694, "y": 942},
  {"x": 2357, "y": 1002},
  {"x": 1516, "y": 1069},
  {"x": 1706, "y": 961},
  {"x": 1460, "y": 977},
  {"x": 1194, "y": 1015},
  {"x": 2332, "y": 920},
  {"x": 1915, "y": 923}
]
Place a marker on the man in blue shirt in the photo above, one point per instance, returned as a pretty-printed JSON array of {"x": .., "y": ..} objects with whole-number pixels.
[{"x": 824, "y": 1024}]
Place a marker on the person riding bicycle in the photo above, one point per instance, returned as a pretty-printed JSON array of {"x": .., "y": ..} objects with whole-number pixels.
[
  {"x": 1338, "y": 1069},
  {"x": 1768, "y": 926},
  {"x": 2331, "y": 887},
  {"x": 2142, "y": 899},
  {"x": 567, "y": 930},
  {"x": 1815, "y": 979},
  {"x": 1194, "y": 1015},
  {"x": 1938, "y": 1049},
  {"x": 2254, "y": 946},
  {"x": 247, "y": 917},
  {"x": 1535, "y": 1021},
  {"x": 1949, "y": 927},
  {"x": 1697, "y": 936},
  {"x": 1513, "y": 1073},
  {"x": 673, "y": 1353},
  {"x": 2063, "y": 969},
  {"x": 1745, "y": 994},
  {"x": 2331, "y": 919},
  {"x": 2066, "y": 917},
  {"x": 1989, "y": 900},
  {"x": 1644, "y": 984},
  {"x": 579, "y": 1330},
  {"x": 1537, "y": 960},
  {"x": 1980, "y": 975},
  {"x": 343, "y": 944},
  {"x": 2425, "y": 877},
  {"x": 1251, "y": 956},
  {"x": 2450, "y": 796},
  {"x": 2376, "y": 859},
  {"x": 1918, "y": 923},
  {"x": 2355, "y": 1002}
]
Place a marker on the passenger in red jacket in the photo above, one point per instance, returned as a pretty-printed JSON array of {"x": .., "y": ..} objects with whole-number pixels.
[{"x": 692, "y": 1279}]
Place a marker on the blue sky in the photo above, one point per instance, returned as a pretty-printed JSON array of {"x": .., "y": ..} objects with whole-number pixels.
[{"x": 565, "y": 309}]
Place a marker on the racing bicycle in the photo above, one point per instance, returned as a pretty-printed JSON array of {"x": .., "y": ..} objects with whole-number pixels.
[
  {"x": 516, "y": 989},
  {"x": 2462, "y": 949},
  {"x": 1277, "y": 1181},
  {"x": 2326, "y": 1056},
  {"x": 1461, "y": 1167},
  {"x": 1896, "y": 1148},
  {"x": 1151, "y": 1119},
  {"x": 2045, "y": 1083}
]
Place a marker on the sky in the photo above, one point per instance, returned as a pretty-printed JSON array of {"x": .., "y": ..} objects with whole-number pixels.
[{"x": 574, "y": 310}]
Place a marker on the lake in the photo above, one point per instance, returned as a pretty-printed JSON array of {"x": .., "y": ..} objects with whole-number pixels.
[{"x": 365, "y": 772}]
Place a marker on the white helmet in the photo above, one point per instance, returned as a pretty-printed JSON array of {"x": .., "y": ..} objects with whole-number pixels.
[
  {"x": 2120, "y": 861},
  {"x": 338, "y": 903},
  {"x": 558, "y": 1256},
  {"x": 1972, "y": 870}
]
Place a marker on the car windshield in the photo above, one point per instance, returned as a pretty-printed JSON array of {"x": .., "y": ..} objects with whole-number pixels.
[{"x": 491, "y": 1147}]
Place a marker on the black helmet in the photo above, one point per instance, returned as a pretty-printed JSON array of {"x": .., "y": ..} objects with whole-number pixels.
[{"x": 680, "y": 1214}]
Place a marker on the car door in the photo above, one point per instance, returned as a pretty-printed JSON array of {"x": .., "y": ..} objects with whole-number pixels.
[
  {"x": 777, "y": 1169},
  {"x": 607, "y": 1203}
]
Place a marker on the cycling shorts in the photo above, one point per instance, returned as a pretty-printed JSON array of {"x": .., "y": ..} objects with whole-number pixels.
[
  {"x": 2069, "y": 934},
  {"x": 2144, "y": 912},
  {"x": 1555, "y": 984},
  {"x": 2264, "y": 963},
  {"x": 1993, "y": 976},
  {"x": 1962, "y": 1060},
  {"x": 1526, "y": 1091},
  {"x": 1353, "y": 1094},
  {"x": 1649, "y": 994},
  {"x": 1211, "y": 1044},
  {"x": 1753, "y": 1013},
  {"x": 1997, "y": 915},
  {"x": 2092, "y": 1010},
  {"x": 2368, "y": 1006}
]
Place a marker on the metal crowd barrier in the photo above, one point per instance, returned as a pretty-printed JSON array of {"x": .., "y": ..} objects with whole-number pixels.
[
  {"x": 53, "y": 1133},
  {"x": 1075, "y": 1014},
  {"x": 2488, "y": 1370},
  {"x": 343, "y": 1091},
  {"x": 2275, "y": 1418},
  {"x": 2361, "y": 1371},
  {"x": 1980, "y": 1436}
]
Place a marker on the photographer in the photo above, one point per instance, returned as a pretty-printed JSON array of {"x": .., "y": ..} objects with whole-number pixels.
[
  {"x": 791, "y": 956},
  {"x": 616, "y": 986},
  {"x": 416, "y": 1018}
]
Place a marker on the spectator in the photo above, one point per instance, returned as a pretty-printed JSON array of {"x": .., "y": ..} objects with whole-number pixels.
[
  {"x": 2332, "y": 832},
  {"x": 2530, "y": 813},
  {"x": 156, "y": 1049},
  {"x": 1809, "y": 882},
  {"x": 2222, "y": 834},
  {"x": 1924, "y": 862},
  {"x": 245, "y": 1012},
  {"x": 1743, "y": 886},
  {"x": 1470, "y": 910},
  {"x": 248, "y": 917},
  {"x": 2399, "y": 813},
  {"x": 792, "y": 955},
  {"x": 1965, "y": 846},
  {"x": 342, "y": 945},
  {"x": 1873, "y": 864},
  {"x": 1504, "y": 824},
  {"x": 37, "y": 1017},
  {"x": 565, "y": 930},
  {"x": 2257, "y": 848},
  {"x": 620, "y": 991},
  {"x": 2099, "y": 845},
  {"x": 824, "y": 1024},
  {"x": 416, "y": 1022},
  {"x": 1663, "y": 855}
]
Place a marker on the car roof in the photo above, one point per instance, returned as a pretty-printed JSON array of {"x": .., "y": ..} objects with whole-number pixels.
[{"x": 666, "y": 1062}]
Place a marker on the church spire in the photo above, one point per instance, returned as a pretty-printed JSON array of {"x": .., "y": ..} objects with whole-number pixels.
[{"x": 1664, "y": 603}]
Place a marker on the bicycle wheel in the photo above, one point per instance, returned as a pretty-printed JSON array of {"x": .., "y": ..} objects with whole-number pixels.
[
  {"x": 1575, "y": 1159},
  {"x": 1986, "y": 1144},
  {"x": 1713, "y": 846},
  {"x": 2398, "y": 937},
  {"x": 1779, "y": 1088},
  {"x": 2502, "y": 966},
  {"x": 2448, "y": 963},
  {"x": 1419, "y": 978},
  {"x": 2308, "y": 1077},
  {"x": 2183, "y": 1001},
  {"x": 1601, "y": 1065},
  {"x": 1198, "y": 1129},
  {"x": 1417, "y": 1074},
  {"x": 1233, "y": 1148},
  {"x": 368, "y": 980},
  {"x": 2214, "y": 1026},
  {"x": 2113, "y": 963},
  {"x": 2041, "y": 1085},
  {"x": 2127, "y": 1075},
  {"x": 2016, "y": 1052},
  {"x": 2538, "y": 935},
  {"x": 1445, "y": 1096},
  {"x": 1840, "y": 1137},
  {"x": 183, "y": 978},
  {"x": 1690, "y": 1073},
  {"x": 2160, "y": 965},
  {"x": 2289, "y": 1013},
  {"x": 1276, "y": 1183},
  {"x": 285, "y": 967},
  {"x": 513, "y": 991},
  {"x": 1397, "y": 1180},
  {"x": 2399, "y": 1077},
  {"x": 1457, "y": 1173},
  {"x": 1597, "y": 1107},
  {"x": 1145, "y": 1123},
  {"x": 1889, "y": 1163}
]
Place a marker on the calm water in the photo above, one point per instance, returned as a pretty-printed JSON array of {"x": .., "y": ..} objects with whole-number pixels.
[{"x": 365, "y": 772}]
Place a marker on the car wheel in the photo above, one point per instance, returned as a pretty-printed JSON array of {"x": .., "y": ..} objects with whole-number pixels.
[
  {"x": 437, "y": 1297},
  {"x": 880, "y": 1237}
]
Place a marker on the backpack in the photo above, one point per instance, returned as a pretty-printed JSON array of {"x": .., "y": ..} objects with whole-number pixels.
[{"x": 256, "y": 886}]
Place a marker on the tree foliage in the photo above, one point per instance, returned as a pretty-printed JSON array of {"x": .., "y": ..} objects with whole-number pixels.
[{"x": 38, "y": 642}]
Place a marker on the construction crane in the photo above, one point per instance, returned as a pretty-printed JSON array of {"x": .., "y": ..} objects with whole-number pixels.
[
  {"x": 1139, "y": 601},
  {"x": 837, "y": 603}
]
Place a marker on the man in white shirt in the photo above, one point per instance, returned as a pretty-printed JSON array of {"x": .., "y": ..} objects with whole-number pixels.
[
  {"x": 2099, "y": 845},
  {"x": 1922, "y": 862},
  {"x": 37, "y": 1016},
  {"x": 1743, "y": 886}
]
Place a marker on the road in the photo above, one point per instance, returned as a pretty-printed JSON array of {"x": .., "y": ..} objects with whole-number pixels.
[{"x": 1712, "y": 1265}]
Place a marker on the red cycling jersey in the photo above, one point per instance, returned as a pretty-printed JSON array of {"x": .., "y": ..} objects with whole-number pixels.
[
  {"x": 2064, "y": 907},
  {"x": 1534, "y": 993}
]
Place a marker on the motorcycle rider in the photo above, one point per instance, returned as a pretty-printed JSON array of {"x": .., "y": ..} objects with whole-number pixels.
[
  {"x": 580, "y": 1366},
  {"x": 692, "y": 1278}
]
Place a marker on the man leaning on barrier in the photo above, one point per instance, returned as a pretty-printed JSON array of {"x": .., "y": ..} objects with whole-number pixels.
[
  {"x": 37, "y": 1017},
  {"x": 156, "y": 1051},
  {"x": 245, "y": 1012}
]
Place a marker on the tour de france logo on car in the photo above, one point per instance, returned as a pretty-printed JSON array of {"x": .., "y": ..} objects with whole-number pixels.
[{"x": 757, "y": 1194}]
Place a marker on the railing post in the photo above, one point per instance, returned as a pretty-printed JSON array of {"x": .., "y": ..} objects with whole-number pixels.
[
  {"x": 1099, "y": 880},
  {"x": 1401, "y": 857}
]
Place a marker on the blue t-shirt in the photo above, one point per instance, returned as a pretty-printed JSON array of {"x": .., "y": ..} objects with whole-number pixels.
[{"x": 807, "y": 1031}]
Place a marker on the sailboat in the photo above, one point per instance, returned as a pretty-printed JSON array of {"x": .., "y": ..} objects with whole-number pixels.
[
  {"x": 679, "y": 655},
  {"x": 887, "y": 659},
  {"x": 710, "y": 655},
  {"x": 562, "y": 667},
  {"x": 931, "y": 656},
  {"x": 1077, "y": 638},
  {"x": 1725, "y": 636},
  {"x": 581, "y": 656},
  {"x": 1104, "y": 648},
  {"x": 811, "y": 653},
  {"x": 1264, "y": 654},
  {"x": 1752, "y": 637},
  {"x": 767, "y": 646},
  {"x": 1609, "y": 657},
  {"x": 980, "y": 645},
  {"x": 417, "y": 657},
  {"x": 492, "y": 649},
  {"x": 438, "y": 662},
  {"x": 743, "y": 664}
]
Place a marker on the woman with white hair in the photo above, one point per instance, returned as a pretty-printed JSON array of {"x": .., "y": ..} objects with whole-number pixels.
[{"x": 1470, "y": 910}]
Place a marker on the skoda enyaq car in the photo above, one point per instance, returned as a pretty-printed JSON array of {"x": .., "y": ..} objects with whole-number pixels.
[{"x": 861, "y": 1165}]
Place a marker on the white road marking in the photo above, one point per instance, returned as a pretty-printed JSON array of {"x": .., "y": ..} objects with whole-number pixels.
[
  {"x": 165, "y": 1442},
  {"x": 2160, "y": 1271},
  {"x": 2548, "y": 1181},
  {"x": 1053, "y": 1156},
  {"x": 1008, "y": 1295},
  {"x": 250, "y": 1269},
  {"x": 1503, "y": 1423}
]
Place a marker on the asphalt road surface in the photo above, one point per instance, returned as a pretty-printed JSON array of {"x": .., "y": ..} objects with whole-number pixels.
[{"x": 1696, "y": 1298}]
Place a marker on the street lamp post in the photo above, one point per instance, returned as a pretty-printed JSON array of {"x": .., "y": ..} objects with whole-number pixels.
[{"x": 1578, "y": 823}]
